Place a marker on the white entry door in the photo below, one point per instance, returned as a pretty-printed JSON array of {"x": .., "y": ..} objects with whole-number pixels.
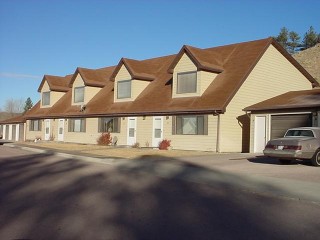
[
  {"x": 47, "y": 129},
  {"x": 157, "y": 134},
  {"x": 259, "y": 134},
  {"x": 132, "y": 127},
  {"x": 60, "y": 129}
]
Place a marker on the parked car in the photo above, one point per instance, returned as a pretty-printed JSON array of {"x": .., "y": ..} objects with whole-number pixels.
[{"x": 297, "y": 143}]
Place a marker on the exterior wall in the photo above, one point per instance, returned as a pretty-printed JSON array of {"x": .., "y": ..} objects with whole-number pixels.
[
  {"x": 273, "y": 75},
  {"x": 204, "y": 79},
  {"x": 32, "y": 135},
  {"x": 92, "y": 134},
  {"x": 144, "y": 134},
  {"x": 89, "y": 92},
  {"x": 144, "y": 131},
  {"x": 53, "y": 129},
  {"x": 193, "y": 142},
  {"x": 54, "y": 96},
  {"x": 137, "y": 86}
]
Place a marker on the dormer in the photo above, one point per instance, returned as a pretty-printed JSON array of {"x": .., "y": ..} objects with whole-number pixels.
[
  {"x": 52, "y": 88},
  {"x": 130, "y": 78},
  {"x": 86, "y": 83},
  {"x": 193, "y": 71}
]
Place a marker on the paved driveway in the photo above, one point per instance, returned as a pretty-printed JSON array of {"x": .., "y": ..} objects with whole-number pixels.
[{"x": 49, "y": 196}]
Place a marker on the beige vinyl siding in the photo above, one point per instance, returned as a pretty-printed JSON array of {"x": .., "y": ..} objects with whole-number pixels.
[
  {"x": 122, "y": 75},
  {"x": 91, "y": 134},
  {"x": 144, "y": 131},
  {"x": 54, "y": 96},
  {"x": 273, "y": 75},
  {"x": 32, "y": 135},
  {"x": 193, "y": 142},
  {"x": 185, "y": 64},
  {"x": 137, "y": 86},
  {"x": 204, "y": 79},
  {"x": 89, "y": 92}
]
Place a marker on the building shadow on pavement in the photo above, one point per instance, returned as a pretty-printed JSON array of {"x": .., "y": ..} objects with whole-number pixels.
[{"x": 146, "y": 198}]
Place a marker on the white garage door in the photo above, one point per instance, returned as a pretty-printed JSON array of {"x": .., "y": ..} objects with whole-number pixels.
[{"x": 280, "y": 123}]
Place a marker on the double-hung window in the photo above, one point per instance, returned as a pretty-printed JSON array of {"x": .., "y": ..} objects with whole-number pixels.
[
  {"x": 77, "y": 125},
  {"x": 187, "y": 82},
  {"x": 35, "y": 125},
  {"x": 111, "y": 125},
  {"x": 124, "y": 89},
  {"x": 45, "y": 98},
  {"x": 78, "y": 95},
  {"x": 190, "y": 125}
]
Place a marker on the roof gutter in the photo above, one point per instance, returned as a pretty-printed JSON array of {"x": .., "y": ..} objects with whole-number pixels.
[{"x": 132, "y": 114}]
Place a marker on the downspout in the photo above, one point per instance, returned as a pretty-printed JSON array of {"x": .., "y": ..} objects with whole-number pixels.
[{"x": 218, "y": 135}]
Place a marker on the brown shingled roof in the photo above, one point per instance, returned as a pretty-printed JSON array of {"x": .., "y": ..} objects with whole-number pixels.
[
  {"x": 56, "y": 83},
  {"x": 289, "y": 100},
  {"x": 141, "y": 70},
  {"x": 202, "y": 58},
  {"x": 14, "y": 120},
  {"x": 233, "y": 63},
  {"x": 93, "y": 77}
]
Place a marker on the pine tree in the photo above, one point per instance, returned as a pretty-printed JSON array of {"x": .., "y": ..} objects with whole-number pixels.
[
  {"x": 282, "y": 38},
  {"x": 28, "y": 104},
  {"x": 310, "y": 38},
  {"x": 294, "y": 41}
]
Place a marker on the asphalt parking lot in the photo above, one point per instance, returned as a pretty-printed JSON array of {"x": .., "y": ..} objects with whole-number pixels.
[
  {"x": 298, "y": 180},
  {"x": 50, "y": 195}
]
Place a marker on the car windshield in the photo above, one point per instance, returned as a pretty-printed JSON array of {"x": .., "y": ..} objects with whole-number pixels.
[{"x": 299, "y": 133}]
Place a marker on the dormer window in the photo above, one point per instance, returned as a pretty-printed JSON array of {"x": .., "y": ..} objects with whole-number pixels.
[
  {"x": 45, "y": 98},
  {"x": 124, "y": 89},
  {"x": 187, "y": 82},
  {"x": 78, "y": 94}
]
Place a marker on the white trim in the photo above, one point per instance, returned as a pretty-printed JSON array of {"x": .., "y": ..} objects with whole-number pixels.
[
  {"x": 155, "y": 141},
  {"x": 61, "y": 136},
  {"x": 132, "y": 140},
  {"x": 286, "y": 113},
  {"x": 258, "y": 138},
  {"x": 47, "y": 135}
]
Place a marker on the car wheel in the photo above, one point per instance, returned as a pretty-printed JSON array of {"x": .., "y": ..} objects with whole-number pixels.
[
  {"x": 315, "y": 161},
  {"x": 284, "y": 161}
]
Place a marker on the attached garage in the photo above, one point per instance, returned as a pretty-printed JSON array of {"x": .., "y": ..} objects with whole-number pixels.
[
  {"x": 271, "y": 118},
  {"x": 13, "y": 128},
  {"x": 280, "y": 123}
]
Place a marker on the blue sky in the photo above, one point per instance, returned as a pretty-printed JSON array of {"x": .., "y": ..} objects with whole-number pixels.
[{"x": 54, "y": 37}]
